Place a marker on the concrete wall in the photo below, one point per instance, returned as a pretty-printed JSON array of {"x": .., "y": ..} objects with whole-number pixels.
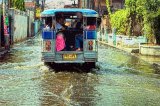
[
  {"x": 20, "y": 26},
  {"x": 122, "y": 40},
  {"x": 133, "y": 41},
  {"x": 149, "y": 50}
]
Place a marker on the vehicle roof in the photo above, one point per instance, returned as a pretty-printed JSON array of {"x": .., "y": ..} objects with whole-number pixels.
[{"x": 85, "y": 12}]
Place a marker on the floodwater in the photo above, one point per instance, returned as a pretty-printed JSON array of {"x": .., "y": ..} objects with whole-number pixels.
[{"x": 118, "y": 80}]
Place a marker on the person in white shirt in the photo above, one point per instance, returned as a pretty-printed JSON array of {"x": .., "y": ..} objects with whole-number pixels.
[
  {"x": 59, "y": 23},
  {"x": 47, "y": 27}
]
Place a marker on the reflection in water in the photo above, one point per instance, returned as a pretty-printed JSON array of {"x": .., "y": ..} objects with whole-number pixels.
[
  {"x": 126, "y": 80},
  {"x": 121, "y": 62},
  {"x": 13, "y": 56},
  {"x": 19, "y": 87},
  {"x": 19, "y": 80}
]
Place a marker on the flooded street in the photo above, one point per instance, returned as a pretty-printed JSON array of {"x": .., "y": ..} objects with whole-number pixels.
[{"x": 118, "y": 80}]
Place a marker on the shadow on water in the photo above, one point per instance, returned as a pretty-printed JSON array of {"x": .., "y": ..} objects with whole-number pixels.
[
  {"x": 78, "y": 68},
  {"x": 13, "y": 56},
  {"x": 157, "y": 68}
]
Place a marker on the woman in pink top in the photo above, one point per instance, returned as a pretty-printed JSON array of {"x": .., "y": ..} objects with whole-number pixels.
[{"x": 60, "y": 42}]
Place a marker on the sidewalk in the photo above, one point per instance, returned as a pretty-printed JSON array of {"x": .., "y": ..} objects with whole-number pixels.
[{"x": 154, "y": 60}]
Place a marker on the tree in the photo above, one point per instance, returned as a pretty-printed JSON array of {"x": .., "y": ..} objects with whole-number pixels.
[
  {"x": 149, "y": 10},
  {"x": 18, "y": 4},
  {"x": 146, "y": 13}
]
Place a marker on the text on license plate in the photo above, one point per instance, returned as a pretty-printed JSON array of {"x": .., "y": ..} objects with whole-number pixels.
[{"x": 69, "y": 56}]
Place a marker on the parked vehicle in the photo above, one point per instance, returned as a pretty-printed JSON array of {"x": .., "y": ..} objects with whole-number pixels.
[{"x": 72, "y": 39}]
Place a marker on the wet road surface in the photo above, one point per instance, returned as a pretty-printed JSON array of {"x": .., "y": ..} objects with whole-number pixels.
[{"x": 119, "y": 80}]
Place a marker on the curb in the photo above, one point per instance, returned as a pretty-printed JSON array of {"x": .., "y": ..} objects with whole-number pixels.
[
  {"x": 4, "y": 51},
  {"x": 129, "y": 50},
  {"x": 133, "y": 51}
]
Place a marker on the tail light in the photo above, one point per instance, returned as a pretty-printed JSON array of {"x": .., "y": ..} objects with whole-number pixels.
[
  {"x": 90, "y": 45},
  {"x": 47, "y": 45}
]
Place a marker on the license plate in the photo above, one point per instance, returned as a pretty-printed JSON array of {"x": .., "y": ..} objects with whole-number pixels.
[{"x": 69, "y": 56}]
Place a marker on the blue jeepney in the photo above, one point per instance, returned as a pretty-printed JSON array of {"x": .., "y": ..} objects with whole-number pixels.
[{"x": 88, "y": 54}]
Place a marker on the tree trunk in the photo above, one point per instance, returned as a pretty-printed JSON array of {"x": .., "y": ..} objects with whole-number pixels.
[{"x": 158, "y": 40}]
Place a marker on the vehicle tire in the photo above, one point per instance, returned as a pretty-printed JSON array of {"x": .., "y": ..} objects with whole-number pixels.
[
  {"x": 54, "y": 65},
  {"x": 89, "y": 65},
  {"x": 51, "y": 64},
  {"x": 47, "y": 63}
]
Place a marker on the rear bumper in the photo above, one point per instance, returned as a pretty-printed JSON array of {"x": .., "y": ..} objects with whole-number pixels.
[{"x": 58, "y": 57}]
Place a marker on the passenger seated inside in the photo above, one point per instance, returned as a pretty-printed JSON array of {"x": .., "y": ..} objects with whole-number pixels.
[
  {"x": 60, "y": 23},
  {"x": 60, "y": 39},
  {"x": 91, "y": 24},
  {"x": 47, "y": 27},
  {"x": 78, "y": 24},
  {"x": 79, "y": 37},
  {"x": 90, "y": 27},
  {"x": 79, "y": 42},
  {"x": 60, "y": 42}
]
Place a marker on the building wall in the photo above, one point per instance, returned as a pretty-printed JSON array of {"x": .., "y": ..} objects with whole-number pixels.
[
  {"x": 20, "y": 33},
  {"x": 100, "y": 2},
  {"x": 116, "y": 4},
  {"x": 99, "y": 5},
  {"x": 84, "y": 3},
  {"x": 19, "y": 25},
  {"x": 22, "y": 25},
  {"x": 79, "y": 3},
  {"x": 30, "y": 5}
]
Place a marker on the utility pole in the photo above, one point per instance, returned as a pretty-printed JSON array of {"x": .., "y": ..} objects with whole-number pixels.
[
  {"x": 5, "y": 24},
  {"x": 74, "y": 4},
  {"x": 93, "y": 4},
  {"x": 42, "y": 6},
  {"x": 79, "y": 4},
  {"x": 3, "y": 11},
  {"x": 88, "y": 4},
  {"x": 0, "y": 23},
  {"x": 3, "y": 6},
  {"x": 9, "y": 3}
]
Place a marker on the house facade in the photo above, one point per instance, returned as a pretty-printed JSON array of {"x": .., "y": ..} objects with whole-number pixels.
[
  {"x": 100, "y": 5},
  {"x": 116, "y": 4},
  {"x": 30, "y": 5}
]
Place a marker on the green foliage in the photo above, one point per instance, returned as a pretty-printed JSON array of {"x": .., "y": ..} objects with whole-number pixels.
[
  {"x": 108, "y": 6},
  {"x": 119, "y": 21},
  {"x": 145, "y": 13},
  {"x": 18, "y": 4},
  {"x": 150, "y": 15},
  {"x": 1, "y": 11}
]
